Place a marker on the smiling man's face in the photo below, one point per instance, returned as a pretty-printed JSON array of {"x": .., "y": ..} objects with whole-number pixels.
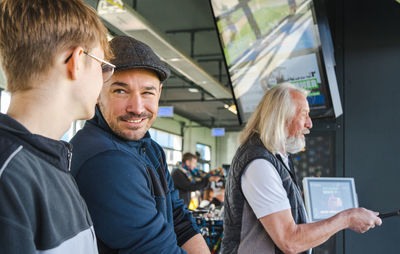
[{"x": 129, "y": 102}]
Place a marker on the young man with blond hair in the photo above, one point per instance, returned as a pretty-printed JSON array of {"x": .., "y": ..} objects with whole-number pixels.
[{"x": 51, "y": 53}]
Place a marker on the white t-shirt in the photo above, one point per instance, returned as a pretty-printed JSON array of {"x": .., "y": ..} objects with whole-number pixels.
[{"x": 263, "y": 188}]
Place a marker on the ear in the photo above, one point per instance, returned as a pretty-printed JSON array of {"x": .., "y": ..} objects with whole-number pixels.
[
  {"x": 159, "y": 94},
  {"x": 75, "y": 63},
  {"x": 98, "y": 99}
]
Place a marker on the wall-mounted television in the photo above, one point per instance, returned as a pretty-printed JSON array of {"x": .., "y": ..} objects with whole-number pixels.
[
  {"x": 218, "y": 132},
  {"x": 268, "y": 42},
  {"x": 165, "y": 111}
]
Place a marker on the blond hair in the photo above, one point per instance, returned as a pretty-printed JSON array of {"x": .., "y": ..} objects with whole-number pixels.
[
  {"x": 34, "y": 32},
  {"x": 271, "y": 116}
]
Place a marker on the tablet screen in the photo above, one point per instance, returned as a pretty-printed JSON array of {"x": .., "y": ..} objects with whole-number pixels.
[{"x": 327, "y": 196}]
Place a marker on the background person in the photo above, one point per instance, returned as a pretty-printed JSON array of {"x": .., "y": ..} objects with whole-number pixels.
[
  {"x": 187, "y": 178},
  {"x": 262, "y": 188}
]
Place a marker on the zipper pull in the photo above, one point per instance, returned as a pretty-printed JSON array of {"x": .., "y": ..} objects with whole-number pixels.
[{"x": 69, "y": 156}]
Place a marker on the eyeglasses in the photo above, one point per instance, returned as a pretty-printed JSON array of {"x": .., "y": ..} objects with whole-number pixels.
[{"x": 106, "y": 67}]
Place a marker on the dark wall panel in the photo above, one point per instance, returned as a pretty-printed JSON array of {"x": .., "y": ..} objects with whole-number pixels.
[{"x": 371, "y": 64}]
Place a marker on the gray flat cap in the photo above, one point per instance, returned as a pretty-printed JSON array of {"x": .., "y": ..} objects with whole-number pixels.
[{"x": 130, "y": 53}]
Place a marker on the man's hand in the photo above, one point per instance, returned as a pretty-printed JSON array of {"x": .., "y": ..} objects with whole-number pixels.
[
  {"x": 294, "y": 238},
  {"x": 361, "y": 219}
]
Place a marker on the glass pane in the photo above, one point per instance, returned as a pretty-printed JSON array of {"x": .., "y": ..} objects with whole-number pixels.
[
  {"x": 206, "y": 167},
  {"x": 5, "y": 101},
  {"x": 199, "y": 150},
  {"x": 79, "y": 125},
  {"x": 69, "y": 134},
  {"x": 166, "y": 140},
  {"x": 168, "y": 155},
  {"x": 177, "y": 142},
  {"x": 172, "y": 157},
  {"x": 153, "y": 133},
  {"x": 207, "y": 153},
  {"x": 204, "y": 151},
  {"x": 177, "y": 157},
  {"x": 162, "y": 139}
]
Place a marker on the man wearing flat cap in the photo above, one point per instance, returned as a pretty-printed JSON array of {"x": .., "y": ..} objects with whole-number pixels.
[{"x": 121, "y": 172}]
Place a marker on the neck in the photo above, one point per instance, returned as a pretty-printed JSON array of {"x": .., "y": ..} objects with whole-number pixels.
[
  {"x": 42, "y": 111},
  {"x": 283, "y": 154}
]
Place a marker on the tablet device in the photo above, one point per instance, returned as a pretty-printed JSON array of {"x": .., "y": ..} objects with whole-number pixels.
[{"x": 326, "y": 196}]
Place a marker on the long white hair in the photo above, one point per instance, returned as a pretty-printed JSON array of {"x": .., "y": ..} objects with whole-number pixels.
[{"x": 271, "y": 117}]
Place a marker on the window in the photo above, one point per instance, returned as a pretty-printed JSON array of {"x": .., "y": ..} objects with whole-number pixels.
[
  {"x": 75, "y": 127},
  {"x": 172, "y": 145},
  {"x": 4, "y": 101},
  {"x": 204, "y": 153}
]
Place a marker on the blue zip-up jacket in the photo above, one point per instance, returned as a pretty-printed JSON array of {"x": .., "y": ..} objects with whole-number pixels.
[{"x": 129, "y": 192}]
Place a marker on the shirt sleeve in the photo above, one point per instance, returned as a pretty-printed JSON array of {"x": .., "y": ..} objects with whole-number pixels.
[
  {"x": 263, "y": 188},
  {"x": 15, "y": 234},
  {"x": 14, "y": 238},
  {"x": 121, "y": 205},
  {"x": 182, "y": 182}
]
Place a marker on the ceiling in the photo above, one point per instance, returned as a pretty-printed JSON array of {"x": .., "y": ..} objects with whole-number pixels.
[{"x": 189, "y": 26}]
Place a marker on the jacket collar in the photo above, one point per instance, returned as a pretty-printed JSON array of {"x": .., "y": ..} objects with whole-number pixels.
[
  {"x": 53, "y": 151},
  {"x": 99, "y": 121}
]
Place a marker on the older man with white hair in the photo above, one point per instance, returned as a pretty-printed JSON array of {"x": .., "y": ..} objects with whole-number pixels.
[{"x": 264, "y": 209}]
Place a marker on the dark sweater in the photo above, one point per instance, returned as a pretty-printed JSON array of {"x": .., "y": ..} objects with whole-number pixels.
[
  {"x": 129, "y": 192},
  {"x": 185, "y": 186},
  {"x": 40, "y": 206}
]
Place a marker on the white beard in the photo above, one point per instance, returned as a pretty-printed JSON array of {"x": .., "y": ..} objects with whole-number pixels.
[{"x": 294, "y": 144}]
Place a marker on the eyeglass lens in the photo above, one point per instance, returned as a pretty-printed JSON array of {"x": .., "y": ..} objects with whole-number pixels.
[{"x": 107, "y": 72}]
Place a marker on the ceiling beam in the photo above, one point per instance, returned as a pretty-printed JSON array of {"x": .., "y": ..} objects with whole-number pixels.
[
  {"x": 176, "y": 87},
  {"x": 210, "y": 60},
  {"x": 196, "y": 100},
  {"x": 234, "y": 126},
  {"x": 192, "y": 84},
  {"x": 191, "y": 30},
  {"x": 206, "y": 55}
]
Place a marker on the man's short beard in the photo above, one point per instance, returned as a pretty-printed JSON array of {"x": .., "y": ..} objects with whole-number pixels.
[
  {"x": 294, "y": 144},
  {"x": 119, "y": 131}
]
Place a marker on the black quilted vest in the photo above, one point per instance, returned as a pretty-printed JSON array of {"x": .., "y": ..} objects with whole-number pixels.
[{"x": 234, "y": 199}]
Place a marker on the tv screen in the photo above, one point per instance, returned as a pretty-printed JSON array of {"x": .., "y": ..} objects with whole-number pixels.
[
  {"x": 165, "y": 111},
  {"x": 267, "y": 42},
  {"x": 217, "y": 132},
  {"x": 326, "y": 196}
]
